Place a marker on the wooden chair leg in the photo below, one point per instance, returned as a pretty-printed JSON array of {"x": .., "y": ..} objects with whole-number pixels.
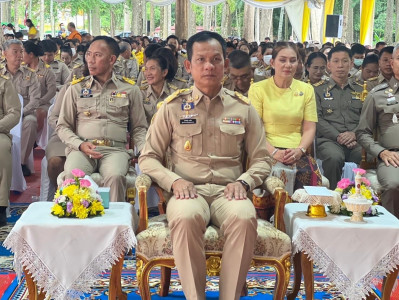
[
  {"x": 34, "y": 294},
  {"x": 297, "y": 277},
  {"x": 307, "y": 269},
  {"x": 165, "y": 281},
  {"x": 282, "y": 278},
  {"x": 115, "y": 287},
  {"x": 244, "y": 291},
  {"x": 387, "y": 286}
]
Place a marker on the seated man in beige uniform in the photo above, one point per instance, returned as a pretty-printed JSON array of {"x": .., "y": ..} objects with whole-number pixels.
[
  {"x": 207, "y": 129},
  {"x": 27, "y": 85},
  {"x": 10, "y": 112},
  {"x": 380, "y": 114},
  {"x": 96, "y": 114},
  {"x": 241, "y": 73}
]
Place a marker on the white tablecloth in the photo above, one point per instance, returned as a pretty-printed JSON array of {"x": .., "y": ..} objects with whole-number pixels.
[
  {"x": 350, "y": 254},
  {"x": 65, "y": 256}
]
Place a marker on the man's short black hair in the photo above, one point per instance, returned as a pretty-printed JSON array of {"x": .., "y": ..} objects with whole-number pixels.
[
  {"x": 151, "y": 49},
  {"x": 31, "y": 47},
  {"x": 49, "y": 46},
  {"x": 370, "y": 59},
  {"x": 387, "y": 49},
  {"x": 339, "y": 49},
  {"x": 19, "y": 35},
  {"x": 380, "y": 44},
  {"x": 239, "y": 59},
  {"x": 58, "y": 41},
  {"x": 204, "y": 36},
  {"x": 230, "y": 45},
  {"x": 172, "y": 36},
  {"x": 111, "y": 43},
  {"x": 358, "y": 49}
]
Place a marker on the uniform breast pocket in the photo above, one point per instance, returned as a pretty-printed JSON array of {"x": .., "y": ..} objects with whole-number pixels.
[
  {"x": 328, "y": 107},
  {"x": 188, "y": 139},
  {"x": 389, "y": 112},
  {"x": 118, "y": 109},
  {"x": 356, "y": 106},
  {"x": 231, "y": 139},
  {"x": 86, "y": 108}
]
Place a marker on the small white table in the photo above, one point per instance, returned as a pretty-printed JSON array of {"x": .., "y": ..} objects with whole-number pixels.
[
  {"x": 62, "y": 257},
  {"x": 350, "y": 254}
]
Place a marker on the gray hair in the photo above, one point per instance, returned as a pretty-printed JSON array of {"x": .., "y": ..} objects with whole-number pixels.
[
  {"x": 8, "y": 43},
  {"x": 123, "y": 46}
]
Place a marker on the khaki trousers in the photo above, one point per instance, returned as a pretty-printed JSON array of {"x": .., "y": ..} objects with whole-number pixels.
[
  {"x": 334, "y": 157},
  {"x": 187, "y": 222},
  {"x": 389, "y": 180},
  {"x": 5, "y": 168},
  {"x": 28, "y": 137}
]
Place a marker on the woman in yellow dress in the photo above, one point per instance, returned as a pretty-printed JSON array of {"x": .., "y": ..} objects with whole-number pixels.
[{"x": 288, "y": 109}]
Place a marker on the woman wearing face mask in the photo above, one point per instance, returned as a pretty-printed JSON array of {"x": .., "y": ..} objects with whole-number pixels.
[
  {"x": 263, "y": 69},
  {"x": 288, "y": 109},
  {"x": 159, "y": 73},
  {"x": 315, "y": 68},
  {"x": 46, "y": 77}
]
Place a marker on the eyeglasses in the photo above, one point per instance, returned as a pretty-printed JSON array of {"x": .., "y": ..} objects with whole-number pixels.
[{"x": 242, "y": 77}]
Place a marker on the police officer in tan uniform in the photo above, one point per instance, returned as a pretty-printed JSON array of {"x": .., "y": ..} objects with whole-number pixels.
[
  {"x": 338, "y": 107},
  {"x": 384, "y": 63},
  {"x": 207, "y": 128},
  {"x": 380, "y": 115},
  {"x": 27, "y": 85},
  {"x": 10, "y": 113},
  {"x": 94, "y": 119},
  {"x": 181, "y": 70},
  {"x": 241, "y": 73},
  {"x": 126, "y": 65},
  {"x": 60, "y": 69}
]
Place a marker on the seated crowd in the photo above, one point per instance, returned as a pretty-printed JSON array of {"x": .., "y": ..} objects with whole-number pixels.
[{"x": 202, "y": 104}]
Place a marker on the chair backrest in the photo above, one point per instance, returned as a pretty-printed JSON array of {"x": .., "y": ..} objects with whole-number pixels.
[{"x": 16, "y": 130}]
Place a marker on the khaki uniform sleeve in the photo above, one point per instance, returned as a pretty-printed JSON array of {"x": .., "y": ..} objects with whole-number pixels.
[
  {"x": 51, "y": 85},
  {"x": 153, "y": 154},
  {"x": 64, "y": 74},
  {"x": 66, "y": 125},
  {"x": 34, "y": 95},
  {"x": 11, "y": 107},
  {"x": 324, "y": 128},
  {"x": 258, "y": 167},
  {"x": 55, "y": 112},
  {"x": 138, "y": 122},
  {"x": 367, "y": 124},
  {"x": 256, "y": 99}
]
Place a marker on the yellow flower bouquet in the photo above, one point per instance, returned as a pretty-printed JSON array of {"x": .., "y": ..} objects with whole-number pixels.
[{"x": 76, "y": 199}]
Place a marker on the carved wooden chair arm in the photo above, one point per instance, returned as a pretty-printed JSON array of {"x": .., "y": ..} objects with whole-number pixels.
[{"x": 143, "y": 183}]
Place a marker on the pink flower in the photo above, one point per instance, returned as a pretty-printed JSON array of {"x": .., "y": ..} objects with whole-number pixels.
[
  {"x": 85, "y": 183},
  {"x": 68, "y": 181},
  {"x": 343, "y": 183},
  {"x": 78, "y": 173},
  {"x": 366, "y": 181},
  {"x": 360, "y": 171}
]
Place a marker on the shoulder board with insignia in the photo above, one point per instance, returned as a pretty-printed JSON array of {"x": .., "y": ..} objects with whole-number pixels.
[
  {"x": 30, "y": 69},
  {"x": 268, "y": 67},
  {"x": 77, "y": 80},
  {"x": 380, "y": 87},
  {"x": 128, "y": 80},
  {"x": 4, "y": 76},
  {"x": 181, "y": 79},
  {"x": 159, "y": 104},
  {"x": 176, "y": 94},
  {"x": 172, "y": 86},
  {"x": 47, "y": 66},
  {"x": 144, "y": 87},
  {"x": 372, "y": 78},
  {"x": 78, "y": 65},
  {"x": 241, "y": 97},
  {"x": 319, "y": 83},
  {"x": 23, "y": 63}
]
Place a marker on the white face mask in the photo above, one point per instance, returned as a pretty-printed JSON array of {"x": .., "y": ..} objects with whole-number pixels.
[
  {"x": 267, "y": 58},
  {"x": 254, "y": 59},
  {"x": 73, "y": 51}
]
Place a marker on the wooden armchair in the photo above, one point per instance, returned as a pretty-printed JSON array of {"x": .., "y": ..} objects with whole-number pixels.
[{"x": 154, "y": 247}]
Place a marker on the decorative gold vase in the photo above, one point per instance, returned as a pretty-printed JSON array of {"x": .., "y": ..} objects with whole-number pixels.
[{"x": 316, "y": 211}]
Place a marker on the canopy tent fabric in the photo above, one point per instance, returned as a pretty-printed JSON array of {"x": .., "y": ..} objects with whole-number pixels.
[
  {"x": 366, "y": 21},
  {"x": 328, "y": 10}
]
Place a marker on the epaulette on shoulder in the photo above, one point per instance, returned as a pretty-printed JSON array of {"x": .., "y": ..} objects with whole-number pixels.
[
  {"x": 78, "y": 65},
  {"x": 30, "y": 69},
  {"x": 159, "y": 104},
  {"x": 23, "y": 63},
  {"x": 268, "y": 67},
  {"x": 47, "y": 66},
  {"x": 181, "y": 79},
  {"x": 241, "y": 97},
  {"x": 176, "y": 94},
  {"x": 172, "y": 86},
  {"x": 77, "y": 80},
  {"x": 4, "y": 76},
  {"x": 373, "y": 78},
  {"x": 319, "y": 83},
  {"x": 128, "y": 80},
  {"x": 144, "y": 87},
  {"x": 380, "y": 87}
]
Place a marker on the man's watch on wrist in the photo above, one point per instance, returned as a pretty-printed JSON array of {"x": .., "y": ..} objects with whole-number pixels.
[
  {"x": 245, "y": 184},
  {"x": 302, "y": 149}
]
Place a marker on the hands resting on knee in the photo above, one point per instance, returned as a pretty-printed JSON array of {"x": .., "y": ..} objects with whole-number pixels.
[{"x": 390, "y": 158}]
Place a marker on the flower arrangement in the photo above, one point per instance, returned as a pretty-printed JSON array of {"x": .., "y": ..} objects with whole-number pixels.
[
  {"x": 346, "y": 187},
  {"x": 76, "y": 199}
]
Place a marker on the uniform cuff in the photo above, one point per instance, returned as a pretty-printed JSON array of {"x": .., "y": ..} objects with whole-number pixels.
[
  {"x": 172, "y": 177},
  {"x": 248, "y": 179}
]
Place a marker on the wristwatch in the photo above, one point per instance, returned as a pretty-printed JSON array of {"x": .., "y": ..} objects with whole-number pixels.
[
  {"x": 303, "y": 150},
  {"x": 245, "y": 184}
]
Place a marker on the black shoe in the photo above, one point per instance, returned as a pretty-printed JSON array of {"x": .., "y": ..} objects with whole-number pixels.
[
  {"x": 25, "y": 170},
  {"x": 3, "y": 216}
]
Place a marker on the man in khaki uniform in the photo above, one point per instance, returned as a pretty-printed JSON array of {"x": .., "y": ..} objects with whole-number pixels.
[
  {"x": 10, "y": 113},
  {"x": 181, "y": 71},
  {"x": 384, "y": 62},
  {"x": 27, "y": 85},
  {"x": 207, "y": 129},
  {"x": 338, "y": 108},
  {"x": 241, "y": 73},
  {"x": 94, "y": 119},
  {"x": 126, "y": 65},
  {"x": 60, "y": 69},
  {"x": 380, "y": 114}
]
